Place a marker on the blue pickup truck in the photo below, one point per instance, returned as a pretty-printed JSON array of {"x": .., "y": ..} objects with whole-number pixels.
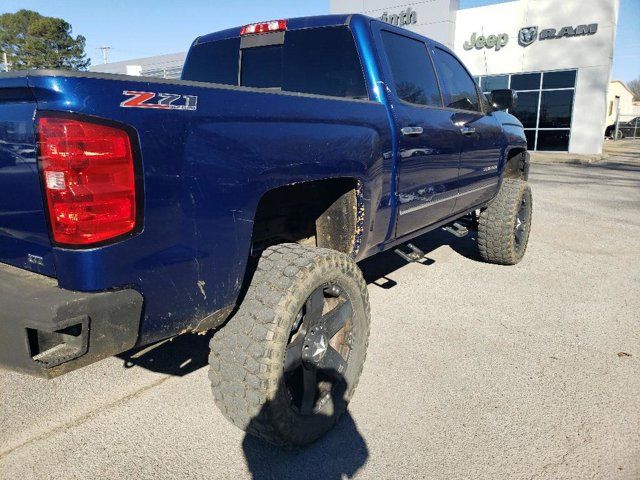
[{"x": 239, "y": 199}]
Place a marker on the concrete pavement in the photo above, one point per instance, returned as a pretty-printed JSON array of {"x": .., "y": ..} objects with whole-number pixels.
[{"x": 473, "y": 370}]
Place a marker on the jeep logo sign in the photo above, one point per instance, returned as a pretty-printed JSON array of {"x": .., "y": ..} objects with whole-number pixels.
[
  {"x": 405, "y": 17},
  {"x": 491, "y": 41},
  {"x": 528, "y": 35}
]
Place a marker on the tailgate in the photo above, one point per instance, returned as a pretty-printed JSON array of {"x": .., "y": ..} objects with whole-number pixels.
[{"x": 24, "y": 237}]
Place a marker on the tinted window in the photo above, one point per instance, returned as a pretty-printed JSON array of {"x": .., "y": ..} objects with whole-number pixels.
[
  {"x": 323, "y": 61},
  {"x": 555, "y": 109},
  {"x": 458, "y": 87},
  {"x": 526, "y": 109},
  {"x": 553, "y": 140},
  {"x": 525, "y": 81},
  {"x": 412, "y": 70},
  {"x": 262, "y": 67},
  {"x": 215, "y": 62},
  {"x": 495, "y": 82},
  {"x": 565, "y": 79}
]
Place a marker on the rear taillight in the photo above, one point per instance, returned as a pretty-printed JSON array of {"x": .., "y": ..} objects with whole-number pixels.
[
  {"x": 264, "y": 27},
  {"x": 89, "y": 181}
]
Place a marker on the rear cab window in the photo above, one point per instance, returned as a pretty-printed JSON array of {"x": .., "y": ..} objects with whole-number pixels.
[
  {"x": 215, "y": 62},
  {"x": 320, "y": 61}
]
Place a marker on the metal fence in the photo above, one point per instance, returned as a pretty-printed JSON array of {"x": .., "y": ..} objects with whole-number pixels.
[{"x": 625, "y": 126}]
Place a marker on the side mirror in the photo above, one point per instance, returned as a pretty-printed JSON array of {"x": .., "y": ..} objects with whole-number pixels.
[{"x": 504, "y": 99}]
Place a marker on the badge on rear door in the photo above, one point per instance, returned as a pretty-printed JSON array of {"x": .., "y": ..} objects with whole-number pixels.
[{"x": 159, "y": 101}]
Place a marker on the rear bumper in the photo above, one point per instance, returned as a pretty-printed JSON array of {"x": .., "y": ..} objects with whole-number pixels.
[{"x": 47, "y": 331}]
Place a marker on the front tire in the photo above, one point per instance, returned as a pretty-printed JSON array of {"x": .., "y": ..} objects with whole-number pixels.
[
  {"x": 504, "y": 226},
  {"x": 286, "y": 365}
]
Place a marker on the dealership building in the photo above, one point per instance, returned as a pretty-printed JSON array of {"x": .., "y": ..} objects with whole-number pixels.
[{"x": 556, "y": 54}]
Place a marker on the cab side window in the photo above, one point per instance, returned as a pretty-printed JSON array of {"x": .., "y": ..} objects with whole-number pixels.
[
  {"x": 458, "y": 87},
  {"x": 413, "y": 74}
]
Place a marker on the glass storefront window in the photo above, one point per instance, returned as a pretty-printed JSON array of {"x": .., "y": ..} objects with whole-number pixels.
[
  {"x": 526, "y": 109},
  {"x": 525, "y": 81},
  {"x": 555, "y": 109},
  {"x": 495, "y": 82},
  {"x": 566, "y": 79},
  {"x": 545, "y": 110},
  {"x": 531, "y": 139},
  {"x": 553, "y": 140}
]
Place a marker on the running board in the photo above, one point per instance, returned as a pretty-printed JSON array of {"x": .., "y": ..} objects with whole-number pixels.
[
  {"x": 415, "y": 255},
  {"x": 457, "y": 229}
]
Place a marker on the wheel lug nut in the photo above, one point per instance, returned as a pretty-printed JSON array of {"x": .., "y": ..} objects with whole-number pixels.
[{"x": 333, "y": 290}]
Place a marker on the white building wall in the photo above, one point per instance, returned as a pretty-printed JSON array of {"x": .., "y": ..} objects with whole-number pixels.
[
  {"x": 591, "y": 55},
  {"x": 435, "y": 18},
  {"x": 620, "y": 98},
  {"x": 162, "y": 66}
]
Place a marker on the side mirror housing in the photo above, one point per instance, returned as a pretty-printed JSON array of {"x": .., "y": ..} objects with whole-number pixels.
[{"x": 504, "y": 99}]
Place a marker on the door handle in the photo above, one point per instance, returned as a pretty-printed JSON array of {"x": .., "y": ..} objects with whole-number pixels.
[
  {"x": 411, "y": 131},
  {"x": 467, "y": 130}
]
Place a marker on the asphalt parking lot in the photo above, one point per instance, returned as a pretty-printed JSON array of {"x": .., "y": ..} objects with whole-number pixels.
[{"x": 473, "y": 370}]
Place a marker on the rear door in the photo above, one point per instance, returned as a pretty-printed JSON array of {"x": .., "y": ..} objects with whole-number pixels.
[
  {"x": 479, "y": 130},
  {"x": 428, "y": 141}
]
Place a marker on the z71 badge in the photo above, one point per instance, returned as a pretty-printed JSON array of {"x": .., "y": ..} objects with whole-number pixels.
[{"x": 162, "y": 101}]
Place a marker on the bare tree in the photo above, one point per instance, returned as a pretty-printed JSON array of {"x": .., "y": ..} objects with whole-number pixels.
[{"x": 634, "y": 86}]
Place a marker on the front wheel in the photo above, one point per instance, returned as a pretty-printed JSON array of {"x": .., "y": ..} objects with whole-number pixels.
[
  {"x": 286, "y": 365},
  {"x": 504, "y": 226}
]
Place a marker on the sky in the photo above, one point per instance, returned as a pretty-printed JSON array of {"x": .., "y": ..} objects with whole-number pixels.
[{"x": 141, "y": 28}]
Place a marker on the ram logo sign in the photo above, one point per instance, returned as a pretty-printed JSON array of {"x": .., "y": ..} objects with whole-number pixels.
[
  {"x": 528, "y": 35},
  {"x": 159, "y": 101}
]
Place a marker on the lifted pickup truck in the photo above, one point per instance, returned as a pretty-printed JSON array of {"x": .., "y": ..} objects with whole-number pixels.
[{"x": 240, "y": 199}]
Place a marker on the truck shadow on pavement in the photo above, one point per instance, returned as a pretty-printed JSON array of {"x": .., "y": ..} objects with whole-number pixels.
[
  {"x": 377, "y": 268},
  {"x": 338, "y": 454},
  {"x": 343, "y": 451},
  {"x": 177, "y": 356},
  {"x": 186, "y": 353}
]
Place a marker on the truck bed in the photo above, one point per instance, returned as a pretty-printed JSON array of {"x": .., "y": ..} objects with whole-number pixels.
[{"x": 204, "y": 169}]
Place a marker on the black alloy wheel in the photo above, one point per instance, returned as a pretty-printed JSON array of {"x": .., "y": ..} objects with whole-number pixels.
[
  {"x": 285, "y": 367},
  {"x": 319, "y": 348}
]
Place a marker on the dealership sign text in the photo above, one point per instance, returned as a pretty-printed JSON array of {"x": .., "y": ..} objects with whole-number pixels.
[
  {"x": 528, "y": 35},
  {"x": 490, "y": 41},
  {"x": 405, "y": 17}
]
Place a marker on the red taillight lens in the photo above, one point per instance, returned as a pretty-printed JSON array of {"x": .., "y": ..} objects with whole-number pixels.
[
  {"x": 89, "y": 181},
  {"x": 264, "y": 27}
]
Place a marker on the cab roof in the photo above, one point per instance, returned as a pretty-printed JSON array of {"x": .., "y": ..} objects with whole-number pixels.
[{"x": 292, "y": 24}]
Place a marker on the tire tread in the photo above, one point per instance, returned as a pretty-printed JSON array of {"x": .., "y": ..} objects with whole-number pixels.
[
  {"x": 245, "y": 363},
  {"x": 496, "y": 241}
]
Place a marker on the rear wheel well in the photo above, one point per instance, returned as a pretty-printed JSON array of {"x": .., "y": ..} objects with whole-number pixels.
[
  {"x": 323, "y": 213},
  {"x": 517, "y": 165}
]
